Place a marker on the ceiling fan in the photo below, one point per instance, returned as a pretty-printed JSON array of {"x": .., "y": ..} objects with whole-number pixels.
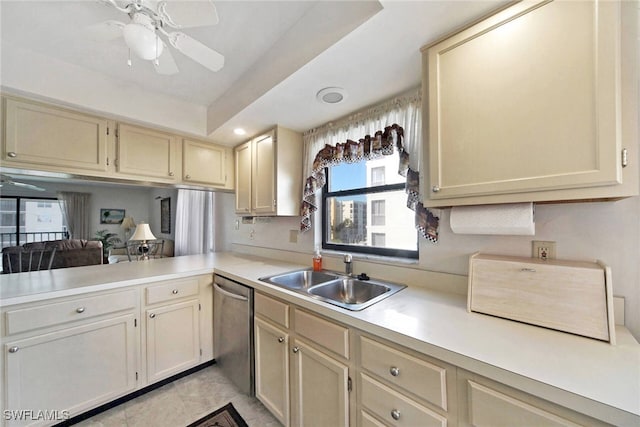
[
  {"x": 151, "y": 21},
  {"x": 5, "y": 180}
]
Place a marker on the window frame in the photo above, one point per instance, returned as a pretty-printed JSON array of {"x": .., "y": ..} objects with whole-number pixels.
[
  {"x": 369, "y": 250},
  {"x": 17, "y": 225}
]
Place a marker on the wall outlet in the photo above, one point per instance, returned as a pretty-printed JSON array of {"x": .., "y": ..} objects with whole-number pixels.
[
  {"x": 293, "y": 236},
  {"x": 543, "y": 249}
]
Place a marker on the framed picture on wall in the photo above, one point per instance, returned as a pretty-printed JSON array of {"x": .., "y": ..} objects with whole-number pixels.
[
  {"x": 111, "y": 216},
  {"x": 165, "y": 215}
]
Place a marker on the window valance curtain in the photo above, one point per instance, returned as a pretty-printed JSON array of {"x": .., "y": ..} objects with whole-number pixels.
[
  {"x": 396, "y": 127},
  {"x": 75, "y": 213}
]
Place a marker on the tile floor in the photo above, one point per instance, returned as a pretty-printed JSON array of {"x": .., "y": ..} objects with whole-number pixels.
[{"x": 182, "y": 402}]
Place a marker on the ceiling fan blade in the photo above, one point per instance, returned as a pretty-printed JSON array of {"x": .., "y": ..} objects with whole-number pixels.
[
  {"x": 187, "y": 14},
  {"x": 105, "y": 31},
  {"x": 197, "y": 51},
  {"x": 27, "y": 186},
  {"x": 166, "y": 64}
]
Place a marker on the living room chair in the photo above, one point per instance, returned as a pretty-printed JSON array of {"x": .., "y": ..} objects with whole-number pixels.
[{"x": 21, "y": 260}]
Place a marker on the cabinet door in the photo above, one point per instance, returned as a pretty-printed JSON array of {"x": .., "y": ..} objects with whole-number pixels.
[
  {"x": 173, "y": 339},
  {"x": 53, "y": 138},
  {"x": 146, "y": 153},
  {"x": 243, "y": 178},
  {"x": 319, "y": 390},
  {"x": 263, "y": 175},
  {"x": 203, "y": 163},
  {"x": 73, "y": 369},
  {"x": 272, "y": 369},
  {"x": 526, "y": 101}
]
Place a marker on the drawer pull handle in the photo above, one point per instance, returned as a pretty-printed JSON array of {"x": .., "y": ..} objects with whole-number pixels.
[
  {"x": 394, "y": 371},
  {"x": 295, "y": 349},
  {"x": 152, "y": 315},
  {"x": 80, "y": 310},
  {"x": 170, "y": 173},
  {"x": 14, "y": 349},
  {"x": 395, "y": 414},
  {"x": 11, "y": 154},
  {"x": 435, "y": 189},
  {"x": 175, "y": 292},
  {"x": 280, "y": 339},
  {"x": 528, "y": 270}
]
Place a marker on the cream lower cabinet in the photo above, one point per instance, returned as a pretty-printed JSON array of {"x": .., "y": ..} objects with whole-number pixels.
[
  {"x": 302, "y": 366},
  {"x": 69, "y": 356},
  {"x": 397, "y": 387},
  {"x": 486, "y": 403},
  {"x": 172, "y": 326}
]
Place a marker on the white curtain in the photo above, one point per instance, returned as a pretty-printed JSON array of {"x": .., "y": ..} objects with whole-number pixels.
[
  {"x": 404, "y": 110},
  {"x": 75, "y": 213},
  {"x": 398, "y": 120},
  {"x": 194, "y": 222}
]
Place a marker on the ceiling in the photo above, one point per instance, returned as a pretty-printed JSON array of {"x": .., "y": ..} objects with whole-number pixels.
[{"x": 278, "y": 55}]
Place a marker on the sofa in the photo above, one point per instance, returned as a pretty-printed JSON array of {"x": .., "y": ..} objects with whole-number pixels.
[{"x": 68, "y": 253}]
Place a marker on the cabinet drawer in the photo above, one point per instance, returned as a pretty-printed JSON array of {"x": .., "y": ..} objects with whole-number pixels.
[
  {"x": 394, "y": 408},
  {"x": 322, "y": 332},
  {"x": 417, "y": 376},
  {"x": 366, "y": 420},
  {"x": 27, "y": 319},
  {"x": 276, "y": 311},
  {"x": 173, "y": 290},
  {"x": 490, "y": 408}
]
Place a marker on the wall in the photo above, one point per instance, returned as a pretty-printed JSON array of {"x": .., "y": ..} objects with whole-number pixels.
[{"x": 609, "y": 231}]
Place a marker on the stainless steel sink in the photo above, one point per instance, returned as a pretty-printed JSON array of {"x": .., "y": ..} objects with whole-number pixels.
[
  {"x": 304, "y": 279},
  {"x": 334, "y": 288}
]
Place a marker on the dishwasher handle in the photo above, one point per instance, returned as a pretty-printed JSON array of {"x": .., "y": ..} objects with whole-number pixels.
[{"x": 229, "y": 294}]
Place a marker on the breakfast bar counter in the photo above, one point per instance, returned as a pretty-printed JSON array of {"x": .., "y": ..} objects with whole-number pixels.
[{"x": 586, "y": 375}]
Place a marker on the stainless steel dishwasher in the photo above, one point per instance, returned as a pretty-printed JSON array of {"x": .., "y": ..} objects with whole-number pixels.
[{"x": 233, "y": 332}]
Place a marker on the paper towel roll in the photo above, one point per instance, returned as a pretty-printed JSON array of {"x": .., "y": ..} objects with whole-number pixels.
[{"x": 509, "y": 219}]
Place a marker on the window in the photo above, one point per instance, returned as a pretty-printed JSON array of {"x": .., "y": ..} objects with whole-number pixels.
[
  {"x": 377, "y": 175},
  {"x": 364, "y": 209},
  {"x": 377, "y": 212},
  {"x": 27, "y": 219}
]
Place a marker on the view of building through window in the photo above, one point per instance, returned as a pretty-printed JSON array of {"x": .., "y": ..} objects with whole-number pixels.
[
  {"x": 365, "y": 208},
  {"x": 24, "y": 220}
]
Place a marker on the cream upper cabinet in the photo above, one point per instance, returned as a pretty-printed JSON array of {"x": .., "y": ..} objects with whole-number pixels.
[
  {"x": 243, "y": 178},
  {"x": 44, "y": 137},
  {"x": 144, "y": 152},
  {"x": 204, "y": 163},
  {"x": 532, "y": 104},
  {"x": 269, "y": 174}
]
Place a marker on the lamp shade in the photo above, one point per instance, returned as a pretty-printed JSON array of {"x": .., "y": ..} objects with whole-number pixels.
[
  {"x": 143, "y": 232},
  {"x": 127, "y": 223}
]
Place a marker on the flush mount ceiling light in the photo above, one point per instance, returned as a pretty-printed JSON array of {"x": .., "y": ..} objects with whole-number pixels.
[
  {"x": 331, "y": 95},
  {"x": 239, "y": 131}
]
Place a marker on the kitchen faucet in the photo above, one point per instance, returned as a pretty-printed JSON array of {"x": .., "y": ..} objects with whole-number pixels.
[{"x": 348, "y": 266}]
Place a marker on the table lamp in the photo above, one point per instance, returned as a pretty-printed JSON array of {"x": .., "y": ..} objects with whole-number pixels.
[
  {"x": 127, "y": 225},
  {"x": 143, "y": 233}
]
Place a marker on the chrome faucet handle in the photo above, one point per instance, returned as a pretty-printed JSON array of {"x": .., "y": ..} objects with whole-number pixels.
[
  {"x": 348, "y": 267},
  {"x": 348, "y": 258}
]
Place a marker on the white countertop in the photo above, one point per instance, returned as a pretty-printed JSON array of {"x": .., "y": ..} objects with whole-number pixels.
[{"x": 430, "y": 322}]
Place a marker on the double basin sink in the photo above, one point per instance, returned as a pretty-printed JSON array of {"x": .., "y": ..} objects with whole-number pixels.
[{"x": 344, "y": 291}]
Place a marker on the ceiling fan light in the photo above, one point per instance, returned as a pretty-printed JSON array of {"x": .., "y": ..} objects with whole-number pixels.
[{"x": 142, "y": 41}]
